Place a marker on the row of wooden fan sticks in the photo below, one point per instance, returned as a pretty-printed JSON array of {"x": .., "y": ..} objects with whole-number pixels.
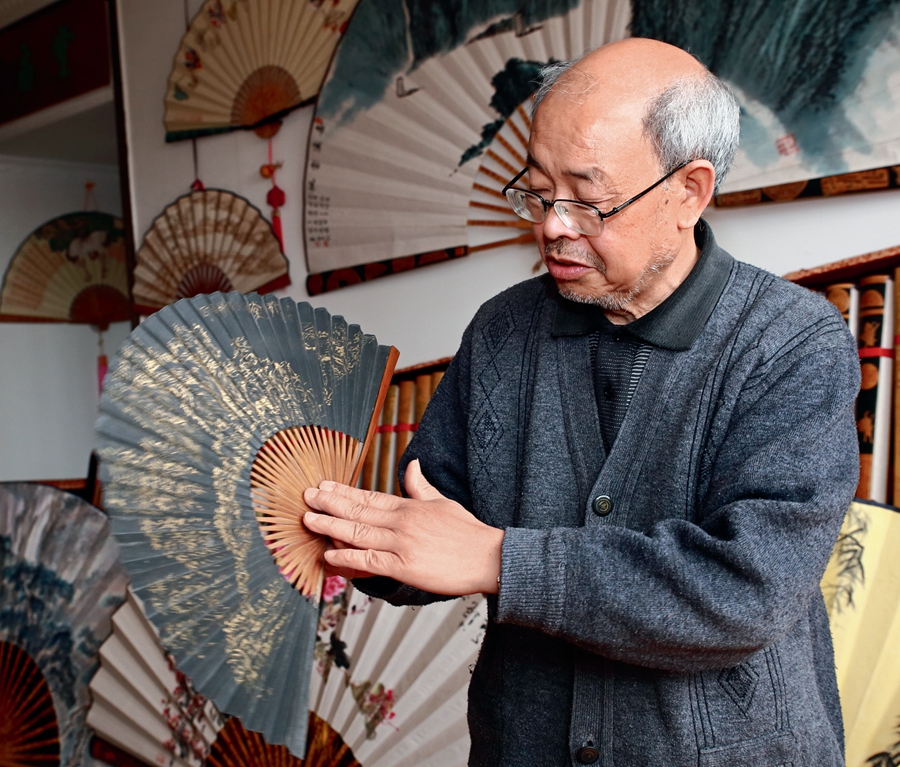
[
  {"x": 404, "y": 405},
  {"x": 868, "y": 306}
]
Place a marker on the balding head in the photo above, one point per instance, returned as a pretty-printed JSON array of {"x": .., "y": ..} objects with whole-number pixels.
[{"x": 683, "y": 110}]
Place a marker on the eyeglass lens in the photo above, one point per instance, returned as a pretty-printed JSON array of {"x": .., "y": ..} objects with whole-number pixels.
[{"x": 530, "y": 206}]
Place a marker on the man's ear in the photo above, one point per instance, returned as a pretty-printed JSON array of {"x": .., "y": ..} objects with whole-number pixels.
[{"x": 699, "y": 184}]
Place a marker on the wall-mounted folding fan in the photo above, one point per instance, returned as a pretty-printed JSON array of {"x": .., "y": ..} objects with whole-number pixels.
[
  {"x": 862, "y": 592},
  {"x": 206, "y": 241},
  {"x": 405, "y": 165},
  {"x": 70, "y": 269},
  {"x": 245, "y": 63},
  {"x": 61, "y": 581},
  {"x": 219, "y": 411}
]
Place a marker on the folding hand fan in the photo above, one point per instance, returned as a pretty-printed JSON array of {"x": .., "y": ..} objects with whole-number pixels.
[
  {"x": 219, "y": 411},
  {"x": 244, "y": 63},
  {"x": 392, "y": 681},
  {"x": 61, "y": 581},
  {"x": 207, "y": 241},
  {"x": 142, "y": 704},
  {"x": 70, "y": 269},
  {"x": 146, "y": 707},
  {"x": 401, "y": 174},
  {"x": 861, "y": 588}
]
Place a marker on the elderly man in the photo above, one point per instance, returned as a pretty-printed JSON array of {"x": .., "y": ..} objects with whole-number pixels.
[{"x": 642, "y": 458}]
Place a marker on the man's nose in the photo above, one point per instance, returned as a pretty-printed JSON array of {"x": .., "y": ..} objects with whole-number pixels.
[{"x": 554, "y": 227}]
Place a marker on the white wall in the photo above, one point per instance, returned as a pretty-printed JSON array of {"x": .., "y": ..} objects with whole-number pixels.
[
  {"x": 48, "y": 384},
  {"x": 424, "y": 312}
]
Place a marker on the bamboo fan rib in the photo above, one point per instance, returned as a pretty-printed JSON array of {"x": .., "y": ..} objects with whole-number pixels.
[
  {"x": 70, "y": 269},
  {"x": 62, "y": 580},
  {"x": 861, "y": 587},
  {"x": 29, "y": 733},
  {"x": 204, "y": 242},
  {"x": 408, "y": 172},
  {"x": 210, "y": 397},
  {"x": 244, "y": 62}
]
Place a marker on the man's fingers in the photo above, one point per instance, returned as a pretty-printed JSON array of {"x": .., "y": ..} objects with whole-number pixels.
[
  {"x": 368, "y": 560},
  {"x": 363, "y": 498},
  {"x": 353, "y": 533},
  {"x": 345, "y": 506},
  {"x": 417, "y": 486}
]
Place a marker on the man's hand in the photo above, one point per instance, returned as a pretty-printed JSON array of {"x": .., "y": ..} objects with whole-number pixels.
[{"x": 426, "y": 540}]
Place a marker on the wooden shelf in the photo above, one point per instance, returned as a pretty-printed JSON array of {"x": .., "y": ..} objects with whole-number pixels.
[{"x": 847, "y": 269}]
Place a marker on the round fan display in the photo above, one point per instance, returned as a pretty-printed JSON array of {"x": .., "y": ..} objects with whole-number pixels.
[
  {"x": 61, "y": 581},
  {"x": 861, "y": 588},
  {"x": 70, "y": 269},
  {"x": 393, "y": 681},
  {"x": 406, "y": 170},
  {"x": 207, "y": 241},
  {"x": 245, "y": 63},
  {"x": 218, "y": 412},
  {"x": 29, "y": 733}
]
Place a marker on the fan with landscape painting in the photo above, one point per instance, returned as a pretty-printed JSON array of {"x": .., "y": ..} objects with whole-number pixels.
[
  {"x": 61, "y": 581},
  {"x": 405, "y": 165}
]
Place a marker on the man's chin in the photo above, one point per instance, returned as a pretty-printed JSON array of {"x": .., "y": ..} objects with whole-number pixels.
[{"x": 614, "y": 302}]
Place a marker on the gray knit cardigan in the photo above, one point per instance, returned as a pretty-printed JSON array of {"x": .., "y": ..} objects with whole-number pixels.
[{"x": 685, "y": 626}]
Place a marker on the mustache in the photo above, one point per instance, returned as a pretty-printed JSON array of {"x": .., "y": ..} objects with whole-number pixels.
[{"x": 569, "y": 250}]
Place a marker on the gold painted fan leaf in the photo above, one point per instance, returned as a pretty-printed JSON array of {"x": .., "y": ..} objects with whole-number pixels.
[
  {"x": 215, "y": 415},
  {"x": 244, "y": 61}
]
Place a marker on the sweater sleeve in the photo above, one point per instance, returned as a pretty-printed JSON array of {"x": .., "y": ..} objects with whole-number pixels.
[{"x": 690, "y": 595}]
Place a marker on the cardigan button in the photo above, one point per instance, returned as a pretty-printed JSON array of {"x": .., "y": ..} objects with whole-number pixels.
[
  {"x": 587, "y": 755},
  {"x": 602, "y": 505}
]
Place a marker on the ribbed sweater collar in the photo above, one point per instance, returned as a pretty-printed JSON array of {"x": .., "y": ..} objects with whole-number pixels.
[{"x": 677, "y": 321}]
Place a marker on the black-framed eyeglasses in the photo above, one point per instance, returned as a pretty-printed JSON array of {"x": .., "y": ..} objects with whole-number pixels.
[{"x": 583, "y": 217}]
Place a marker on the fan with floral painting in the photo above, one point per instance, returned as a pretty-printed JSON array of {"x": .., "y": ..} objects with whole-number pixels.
[
  {"x": 206, "y": 241},
  {"x": 70, "y": 269},
  {"x": 247, "y": 63}
]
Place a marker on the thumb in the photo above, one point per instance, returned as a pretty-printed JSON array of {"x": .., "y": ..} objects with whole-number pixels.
[{"x": 417, "y": 486}]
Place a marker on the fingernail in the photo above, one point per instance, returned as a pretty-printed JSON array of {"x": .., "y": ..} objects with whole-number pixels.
[
  {"x": 311, "y": 492},
  {"x": 327, "y": 485}
]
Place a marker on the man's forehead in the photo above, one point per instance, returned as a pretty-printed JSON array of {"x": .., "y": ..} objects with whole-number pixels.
[{"x": 588, "y": 172}]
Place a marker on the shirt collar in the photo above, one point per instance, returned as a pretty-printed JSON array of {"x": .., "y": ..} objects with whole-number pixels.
[{"x": 677, "y": 321}]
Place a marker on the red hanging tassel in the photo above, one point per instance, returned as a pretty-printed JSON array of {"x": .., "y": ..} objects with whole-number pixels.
[
  {"x": 275, "y": 197},
  {"x": 102, "y": 362},
  {"x": 102, "y": 367}
]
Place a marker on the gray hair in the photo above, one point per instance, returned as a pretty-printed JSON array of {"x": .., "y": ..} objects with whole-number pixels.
[{"x": 695, "y": 118}]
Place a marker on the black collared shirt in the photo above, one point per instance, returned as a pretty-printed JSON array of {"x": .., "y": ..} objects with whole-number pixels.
[{"x": 620, "y": 352}]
